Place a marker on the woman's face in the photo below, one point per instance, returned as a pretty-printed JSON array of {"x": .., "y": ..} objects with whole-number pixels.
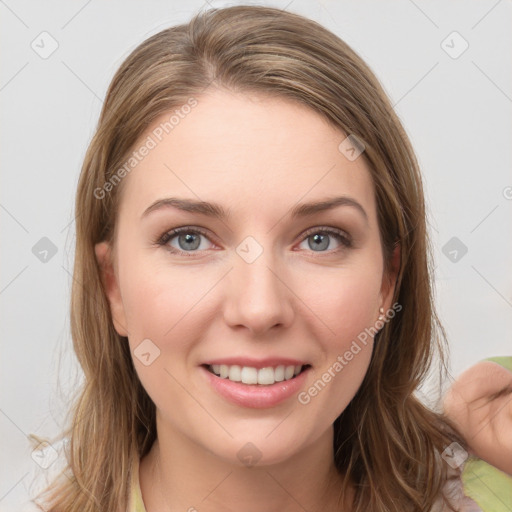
[{"x": 261, "y": 279}]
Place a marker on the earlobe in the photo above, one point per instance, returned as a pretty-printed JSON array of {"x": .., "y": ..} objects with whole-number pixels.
[{"x": 111, "y": 287}]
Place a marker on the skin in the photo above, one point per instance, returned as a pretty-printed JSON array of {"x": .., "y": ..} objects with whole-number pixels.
[
  {"x": 485, "y": 422},
  {"x": 258, "y": 157}
]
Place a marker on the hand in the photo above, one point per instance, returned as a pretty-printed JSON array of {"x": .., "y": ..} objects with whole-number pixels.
[{"x": 484, "y": 420}]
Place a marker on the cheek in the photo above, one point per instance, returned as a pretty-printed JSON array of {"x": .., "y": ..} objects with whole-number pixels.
[
  {"x": 347, "y": 306},
  {"x": 163, "y": 306},
  {"x": 346, "y": 301},
  {"x": 158, "y": 299}
]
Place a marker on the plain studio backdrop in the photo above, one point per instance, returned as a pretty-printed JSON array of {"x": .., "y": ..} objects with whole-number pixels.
[{"x": 447, "y": 70}]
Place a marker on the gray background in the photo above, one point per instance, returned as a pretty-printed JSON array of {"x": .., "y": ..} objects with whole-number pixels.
[{"x": 456, "y": 109}]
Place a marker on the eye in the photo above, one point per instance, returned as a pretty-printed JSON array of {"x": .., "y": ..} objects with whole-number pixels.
[
  {"x": 319, "y": 239},
  {"x": 188, "y": 240}
]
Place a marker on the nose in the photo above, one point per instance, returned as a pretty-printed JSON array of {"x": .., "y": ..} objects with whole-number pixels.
[{"x": 257, "y": 296}]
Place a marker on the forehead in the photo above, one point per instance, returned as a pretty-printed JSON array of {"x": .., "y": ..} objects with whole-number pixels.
[{"x": 246, "y": 151}]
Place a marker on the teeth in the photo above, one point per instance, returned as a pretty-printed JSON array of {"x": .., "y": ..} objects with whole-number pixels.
[
  {"x": 249, "y": 375},
  {"x": 279, "y": 374},
  {"x": 266, "y": 376},
  {"x": 224, "y": 371},
  {"x": 235, "y": 373},
  {"x": 288, "y": 372}
]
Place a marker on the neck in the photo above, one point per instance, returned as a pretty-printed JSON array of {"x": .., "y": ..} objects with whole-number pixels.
[{"x": 178, "y": 475}]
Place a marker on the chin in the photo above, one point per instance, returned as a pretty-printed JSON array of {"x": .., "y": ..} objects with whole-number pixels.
[{"x": 258, "y": 450}]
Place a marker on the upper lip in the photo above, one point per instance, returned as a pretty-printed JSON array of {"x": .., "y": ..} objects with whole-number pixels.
[{"x": 256, "y": 363}]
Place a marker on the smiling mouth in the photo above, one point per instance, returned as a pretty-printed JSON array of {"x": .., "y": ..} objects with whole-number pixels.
[{"x": 262, "y": 376}]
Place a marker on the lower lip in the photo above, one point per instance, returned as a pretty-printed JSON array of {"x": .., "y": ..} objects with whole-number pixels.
[{"x": 256, "y": 396}]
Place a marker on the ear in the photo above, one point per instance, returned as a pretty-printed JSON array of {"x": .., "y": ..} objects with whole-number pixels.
[
  {"x": 389, "y": 279},
  {"x": 110, "y": 285}
]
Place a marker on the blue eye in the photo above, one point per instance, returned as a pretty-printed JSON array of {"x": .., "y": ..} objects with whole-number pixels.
[
  {"x": 318, "y": 239},
  {"x": 189, "y": 240}
]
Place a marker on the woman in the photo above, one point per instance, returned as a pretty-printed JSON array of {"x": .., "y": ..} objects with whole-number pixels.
[{"x": 252, "y": 302}]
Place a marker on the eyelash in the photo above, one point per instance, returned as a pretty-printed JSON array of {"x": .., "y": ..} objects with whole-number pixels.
[{"x": 346, "y": 242}]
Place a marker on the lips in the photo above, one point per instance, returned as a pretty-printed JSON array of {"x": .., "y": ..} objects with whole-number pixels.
[{"x": 256, "y": 395}]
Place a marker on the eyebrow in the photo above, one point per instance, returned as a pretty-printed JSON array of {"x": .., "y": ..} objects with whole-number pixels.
[{"x": 217, "y": 211}]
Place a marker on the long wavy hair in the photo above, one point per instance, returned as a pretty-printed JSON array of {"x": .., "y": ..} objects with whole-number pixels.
[{"x": 387, "y": 441}]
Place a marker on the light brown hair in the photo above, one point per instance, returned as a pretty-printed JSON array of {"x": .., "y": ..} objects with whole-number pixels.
[{"x": 386, "y": 440}]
